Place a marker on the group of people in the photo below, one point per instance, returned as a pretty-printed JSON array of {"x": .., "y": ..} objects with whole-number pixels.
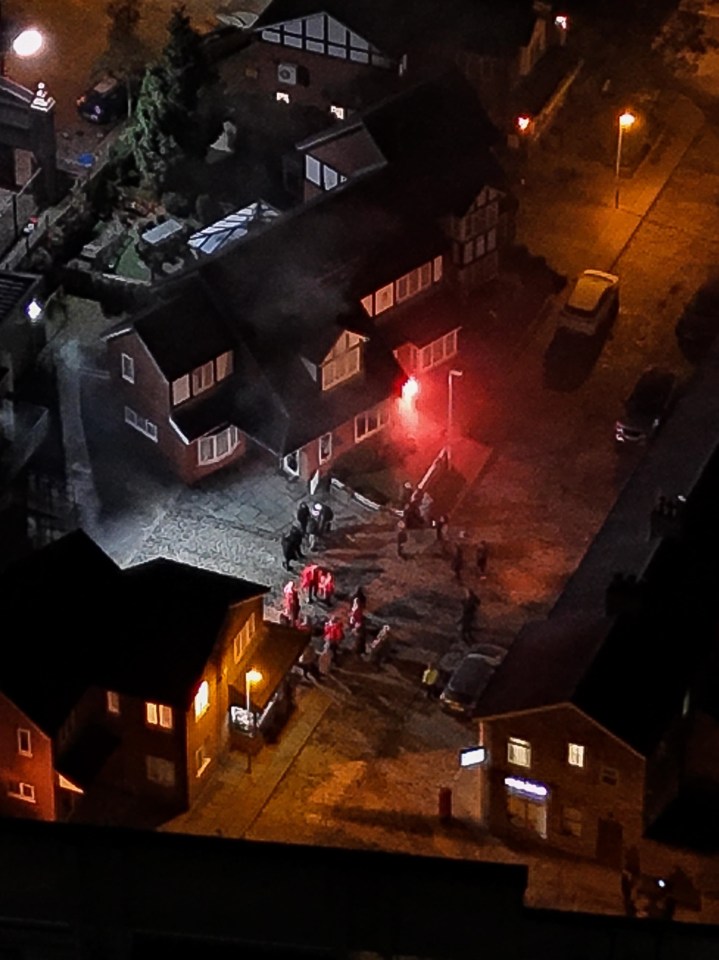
[{"x": 310, "y": 524}]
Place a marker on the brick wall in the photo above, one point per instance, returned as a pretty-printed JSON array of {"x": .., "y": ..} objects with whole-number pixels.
[
  {"x": 36, "y": 770},
  {"x": 550, "y": 731}
]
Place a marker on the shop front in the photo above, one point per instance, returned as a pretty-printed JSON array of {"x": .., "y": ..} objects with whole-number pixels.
[{"x": 260, "y": 698}]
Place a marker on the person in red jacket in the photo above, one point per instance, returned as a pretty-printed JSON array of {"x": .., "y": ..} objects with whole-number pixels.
[
  {"x": 308, "y": 581},
  {"x": 334, "y": 634}
]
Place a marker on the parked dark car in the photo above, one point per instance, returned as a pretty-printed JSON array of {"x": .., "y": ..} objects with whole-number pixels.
[
  {"x": 698, "y": 326},
  {"x": 104, "y": 102},
  {"x": 647, "y": 406},
  {"x": 466, "y": 685}
]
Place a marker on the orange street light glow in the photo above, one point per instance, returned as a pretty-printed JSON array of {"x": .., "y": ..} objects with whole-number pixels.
[
  {"x": 253, "y": 676},
  {"x": 561, "y": 21},
  {"x": 28, "y": 43},
  {"x": 626, "y": 120},
  {"x": 523, "y": 123}
]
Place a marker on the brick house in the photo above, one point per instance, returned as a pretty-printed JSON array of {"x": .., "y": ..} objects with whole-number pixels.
[
  {"x": 297, "y": 337},
  {"x": 128, "y": 719}
]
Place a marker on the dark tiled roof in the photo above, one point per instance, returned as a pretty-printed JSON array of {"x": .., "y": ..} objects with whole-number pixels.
[
  {"x": 534, "y": 93},
  {"x": 88, "y": 755},
  {"x": 57, "y": 601},
  {"x": 172, "y": 616},
  {"x": 184, "y": 331}
]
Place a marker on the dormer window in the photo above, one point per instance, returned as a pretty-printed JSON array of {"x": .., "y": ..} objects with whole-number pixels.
[
  {"x": 203, "y": 378},
  {"x": 180, "y": 390},
  {"x": 223, "y": 365},
  {"x": 343, "y": 361}
]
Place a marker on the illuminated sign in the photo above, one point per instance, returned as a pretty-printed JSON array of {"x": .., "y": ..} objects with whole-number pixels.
[
  {"x": 472, "y": 756},
  {"x": 527, "y": 787}
]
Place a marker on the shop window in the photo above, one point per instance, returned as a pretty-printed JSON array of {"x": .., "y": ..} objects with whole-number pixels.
[
  {"x": 180, "y": 390},
  {"x": 572, "y": 821},
  {"x": 128, "y": 368},
  {"x": 158, "y": 715},
  {"x": 519, "y": 752},
  {"x": 21, "y": 791},
  {"x": 112, "y": 701},
  {"x": 325, "y": 447},
  {"x": 575, "y": 755},
  {"x": 160, "y": 771},
  {"x": 24, "y": 742},
  {"x": 202, "y": 700},
  {"x": 223, "y": 365},
  {"x": 610, "y": 776}
]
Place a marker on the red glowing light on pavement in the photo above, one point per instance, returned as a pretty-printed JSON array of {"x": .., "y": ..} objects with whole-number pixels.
[{"x": 410, "y": 389}]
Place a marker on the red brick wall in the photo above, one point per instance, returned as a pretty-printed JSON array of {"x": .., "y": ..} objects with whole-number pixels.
[
  {"x": 36, "y": 770},
  {"x": 549, "y": 732},
  {"x": 343, "y": 439}
]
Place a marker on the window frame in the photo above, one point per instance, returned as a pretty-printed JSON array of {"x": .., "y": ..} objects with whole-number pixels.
[
  {"x": 202, "y": 378},
  {"x": 328, "y": 455},
  {"x": 160, "y": 763},
  {"x": 201, "y": 700},
  {"x": 24, "y": 733},
  {"x": 202, "y": 761},
  {"x": 609, "y": 776},
  {"x": 112, "y": 702},
  {"x": 379, "y": 414},
  {"x": 517, "y": 748},
  {"x": 127, "y": 367},
  {"x": 181, "y": 390},
  {"x": 224, "y": 365},
  {"x": 25, "y": 791},
  {"x": 241, "y": 640},
  {"x": 212, "y": 443},
  {"x": 159, "y": 715},
  {"x": 576, "y": 755}
]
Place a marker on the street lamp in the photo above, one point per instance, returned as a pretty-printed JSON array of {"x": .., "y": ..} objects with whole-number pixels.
[
  {"x": 26, "y": 43},
  {"x": 251, "y": 677},
  {"x": 626, "y": 120},
  {"x": 450, "y": 410}
]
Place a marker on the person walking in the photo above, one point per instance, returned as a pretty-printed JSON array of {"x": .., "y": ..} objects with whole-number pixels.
[
  {"x": 378, "y": 650},
  {"x": 308, "y": 663},
  {"x": 334, "y": 634},
  {"x": 291, "y": 602},
  {"x": 303, "y": 515},
  {"x": 457, "y": 563},
  {"x": 295, "y": 537},
  {"x": 360, "y": 598},
  {"x": 312, "y": 531},
  {"x": 482, "y": 557},
  {"x": 425, "y": 509},
  {"x": 401, "y": 539},
  {"x": 288, "y": 552},
  {"x": 308, "y": 581}
]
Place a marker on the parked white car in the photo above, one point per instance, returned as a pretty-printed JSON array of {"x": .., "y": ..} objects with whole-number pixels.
[{"x": 592, "y": 304}]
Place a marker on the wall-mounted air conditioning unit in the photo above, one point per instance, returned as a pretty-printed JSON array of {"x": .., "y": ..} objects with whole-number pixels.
[{"x": 287, "y": 73}]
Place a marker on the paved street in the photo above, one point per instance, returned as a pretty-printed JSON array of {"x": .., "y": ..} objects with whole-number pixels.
[{"x": 362, "y": 760}]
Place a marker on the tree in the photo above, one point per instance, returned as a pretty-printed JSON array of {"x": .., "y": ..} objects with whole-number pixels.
[
  {"x": 126, "y": 54},
  {"x": 683, "y": 39},
  {"x": 184, "y": 61},
  {"x": 148, "y": 139}
]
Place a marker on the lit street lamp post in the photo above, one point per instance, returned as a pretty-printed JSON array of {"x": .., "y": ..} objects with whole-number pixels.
[
  {"x": 27, "y": 43},
  {"x": 251, "y": 677},
  {"x": 450, "y": 410},
  {"x": 626, "y": 120}
]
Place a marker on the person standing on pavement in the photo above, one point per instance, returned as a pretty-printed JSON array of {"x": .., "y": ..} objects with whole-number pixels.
[
  {"x": 326, "y": 587},
  {"x": 288, "y": 552},
  {"x": 456, "y": 564},
  {"x": 430, "y": 682},
  {"x": 482, "y": 558},
  {"x": 295, "y": 538},
  {"x": 312, "y": 531},
  {"x": 334, "y": 634},
  {"x": 470, "y": 606},
  {"x": 308, "y": 581},
  {"x": 303, "y": 515},
  {"x": 308, "y": 663},
  {"x": 401, "y": 539},
  {"x": 425, "y": 509},
  {"x": 360, "y": 598},
  {"x": 291, "y": 602}
]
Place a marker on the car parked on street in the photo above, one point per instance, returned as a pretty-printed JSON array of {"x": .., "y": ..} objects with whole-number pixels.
[
  {"x": 592, "y": 304},
  {"x": 466, "y": 685},
  {"x": 105, "y": 102},
  {"x": 647, "y": 406}
]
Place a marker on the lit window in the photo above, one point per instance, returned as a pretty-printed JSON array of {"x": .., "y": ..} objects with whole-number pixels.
[
  {"x": 291, "y": 463},
  {"x": 243, "y": 637},
  {"x": 158, "y": 715},
  {"x": 572, "y": 821},
  {"x": 338, "y": 112},
  {"x": 575, "y": 755},
  {"x": 21, "y": 791},
  {"x": 223, "y": 365},
  {"x": 341, "y": 368},
  {"x": 384, "y": 298},
  {"x": 128, "y": 368},
  {"x": 24, "y": 742},
  {"x": 281, "y": 97},
  {"x": 202, "y": 699},
  {"x": 203, "y": 378},
  {"x": 609, "y": 776},
  {"x": 519, "y": 752},
  {"x": 330, "y": 178},
  {"x": 367, "y": 304},
  {"x": 181, "y": 390},
  {"x": 370, "y": 422},
  {"x": 161, "y": 771},
  {"x": 218, "y": 445},
  {"x": 437, "y": 269},
  {"x": 113, "y": 702}
]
